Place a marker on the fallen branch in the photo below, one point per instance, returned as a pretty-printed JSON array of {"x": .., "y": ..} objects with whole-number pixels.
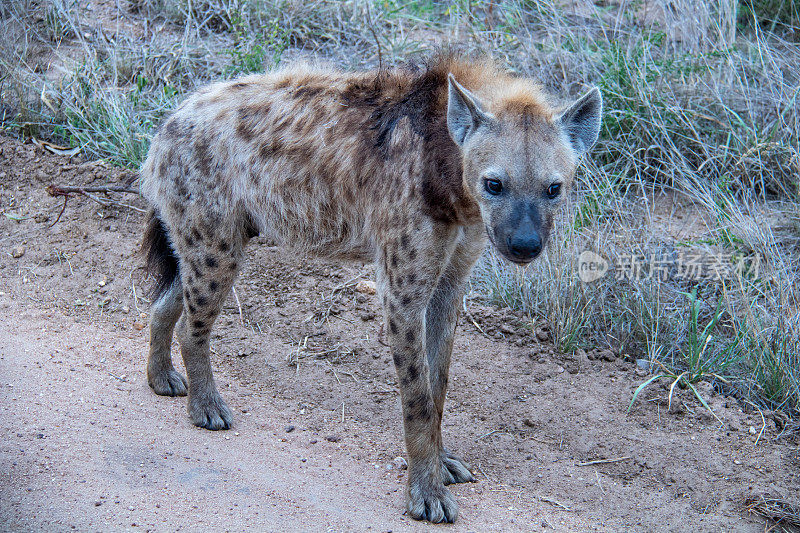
[
  {"x": 62, "y": 190},
  {"x": 67, "y": 190}
]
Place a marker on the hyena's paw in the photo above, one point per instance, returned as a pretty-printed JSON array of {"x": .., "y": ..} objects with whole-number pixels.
[
  {"x": 210, "y": 412},
  {"x": 455, "y": 469},
  {"x": 168, "y": 383},
  {"x": 430, "y": 501}
]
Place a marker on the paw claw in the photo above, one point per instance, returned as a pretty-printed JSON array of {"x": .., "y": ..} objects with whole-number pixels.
[
  {"x": 455, "y": 469},
  {"x": 168, "y": 383},
  {"x": 210, "y": 413},
  {"x": 431, "y": 503}
]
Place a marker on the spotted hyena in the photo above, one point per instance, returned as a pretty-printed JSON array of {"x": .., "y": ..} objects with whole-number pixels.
[{"x": 412, "y": 168}]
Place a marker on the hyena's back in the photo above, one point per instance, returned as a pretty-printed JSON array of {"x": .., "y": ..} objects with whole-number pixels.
[{"x": 290, "y": 154}]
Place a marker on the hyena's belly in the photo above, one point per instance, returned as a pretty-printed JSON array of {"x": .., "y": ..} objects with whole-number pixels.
[{"x": 316, "y": 219}]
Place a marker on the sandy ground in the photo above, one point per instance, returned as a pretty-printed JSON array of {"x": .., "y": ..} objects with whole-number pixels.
[{"x": 85, "y": 444}]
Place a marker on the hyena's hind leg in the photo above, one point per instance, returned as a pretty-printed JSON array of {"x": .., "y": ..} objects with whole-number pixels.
[
  {"x": 165, "y": 311},
  {"x": 164, "y": 314}
]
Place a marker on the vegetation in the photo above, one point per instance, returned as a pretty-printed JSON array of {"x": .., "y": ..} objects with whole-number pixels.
[{"x": 699, "y": 155}]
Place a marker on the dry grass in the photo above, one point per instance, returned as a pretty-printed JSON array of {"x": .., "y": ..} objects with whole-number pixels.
[
  {"x": 698, "y": 154},
  {"x": 784, "y": 515}
]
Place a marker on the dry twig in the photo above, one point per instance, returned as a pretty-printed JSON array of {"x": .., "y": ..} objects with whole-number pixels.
[
  {"x": 67, "y": 190},
  {"x": 605, "y": 461}
]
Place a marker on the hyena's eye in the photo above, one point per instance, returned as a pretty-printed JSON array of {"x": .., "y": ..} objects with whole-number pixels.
[
  {"x": 554, "y": 190},
  {"x": 493, "y": 186}
]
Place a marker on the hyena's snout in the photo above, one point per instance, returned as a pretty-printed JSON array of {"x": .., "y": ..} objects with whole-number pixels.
[
  {"x": 521, "y": 240},
  {"x": 523, "y": 247}
]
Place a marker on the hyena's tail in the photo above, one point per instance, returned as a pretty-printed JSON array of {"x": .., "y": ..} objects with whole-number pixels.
[{"x": 160, "y": 258}]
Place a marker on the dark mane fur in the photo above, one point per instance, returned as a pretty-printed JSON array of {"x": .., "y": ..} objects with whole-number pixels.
[{"x": 420, "y": 94}]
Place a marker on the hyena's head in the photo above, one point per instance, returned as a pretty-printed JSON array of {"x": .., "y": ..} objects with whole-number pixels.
[{"x": 519, "y": 157}]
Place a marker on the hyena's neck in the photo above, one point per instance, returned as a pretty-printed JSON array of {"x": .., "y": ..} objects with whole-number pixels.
[{"x": 406, "y": 124}]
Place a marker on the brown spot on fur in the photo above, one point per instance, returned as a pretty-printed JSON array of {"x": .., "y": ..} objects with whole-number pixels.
[
  {"x": 411, "y": 335},
  {"x": 269, "y": 149},
  {"x": 213, "y": 286},
  {"x": 392, "y": 327},
  {"x": 202, "y": 150},
  {"x": 245, "y": 130},
  {"x": 172, "y": 128},
  {"x": 418, "y": 407},
  {"x": 307, "y": 92},
  {"x": 211, "y": 261},
  {"x": 413, "y": 372}
]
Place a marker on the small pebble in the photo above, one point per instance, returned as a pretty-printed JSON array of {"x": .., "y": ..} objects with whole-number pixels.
[
  {"x": 17, "y": 252},
  {"x": 333, "y": 438},
  {"x": 400, "y": 463},
  {"x": 289, "y": 429},
  {"x": 366, "y": 287}
]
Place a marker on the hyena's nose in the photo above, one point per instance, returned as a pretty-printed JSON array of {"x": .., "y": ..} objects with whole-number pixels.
[{"x": 524, "y": 248}]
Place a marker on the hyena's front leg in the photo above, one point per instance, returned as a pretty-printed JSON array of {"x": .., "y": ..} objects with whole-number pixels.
[
  {"x": 406, "y": 289},
  {"x": 441, "y": 318}
]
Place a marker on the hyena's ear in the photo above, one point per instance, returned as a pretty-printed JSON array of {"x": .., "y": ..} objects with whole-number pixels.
[
  {"x": 581, "y": 121},
  {"x": 464, "y": 113}
]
